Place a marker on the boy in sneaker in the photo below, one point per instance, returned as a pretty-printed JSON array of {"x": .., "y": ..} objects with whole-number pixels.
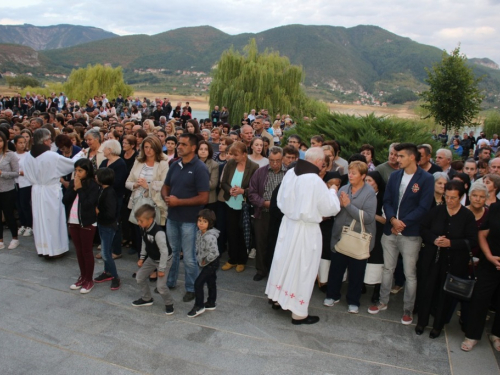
[
  {"x": 154, "y": 247},
  {"x": 408, "y": 197},
  {"x": 107, "y": 224},
  {"x": 207, "y": 255}
]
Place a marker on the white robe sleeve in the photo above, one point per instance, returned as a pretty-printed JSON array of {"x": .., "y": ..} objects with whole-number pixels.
[{"x": 328, "y": 203}]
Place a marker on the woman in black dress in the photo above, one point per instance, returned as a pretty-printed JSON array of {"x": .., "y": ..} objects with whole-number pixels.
[
  {"x": 375, "y": 265},
  {"x": 448, "y": 232}
]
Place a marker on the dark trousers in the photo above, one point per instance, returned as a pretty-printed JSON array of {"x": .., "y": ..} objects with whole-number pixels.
[
  {"x": 488, "y": 281},
  {"x": 116, "y": 246},
  {"x": 107, "y": 234},
  {"x": 432, "y": 280},
  {"x": 355, "y": 276},
  {"x": 82, "y": 239},
  {"x": 7, "y": 206},
  {"x": 208, "y": 275},
  {"x": 221, "y": 225},
  {"x": 23, "y": 204},
  {"x": 237, "y": 248},
  {"x": 262, "y": 238}
]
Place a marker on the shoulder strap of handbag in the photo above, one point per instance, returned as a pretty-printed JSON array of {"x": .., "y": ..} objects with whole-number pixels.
[{"x": 353, "y": 222}]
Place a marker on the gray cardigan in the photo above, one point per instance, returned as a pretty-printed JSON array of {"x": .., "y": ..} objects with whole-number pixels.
[
  {"x": 365, "y": 199},
  {"x": 9, "y": 166}
]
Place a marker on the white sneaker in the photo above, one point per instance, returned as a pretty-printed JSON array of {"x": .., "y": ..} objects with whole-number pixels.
[
  {"x": 353, "y": 309},
  {"x": 13, "y": 244},
  {"x": 252, "y": 253},
  {"x": 2, "y": 245},
  {"x": 330, "y": 302},
  {"x": 28, "y": 232},
  {"x": 21, "y": 230},
  {"x": 87, "y": 288}
]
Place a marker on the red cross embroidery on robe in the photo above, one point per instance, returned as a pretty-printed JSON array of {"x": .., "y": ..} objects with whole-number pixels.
[
  {"x": 286, "y": 293},
  {"x": 301, "y": 302},
  {"x": 278, "y": 287},
  {"x": 292, "y": 295}
]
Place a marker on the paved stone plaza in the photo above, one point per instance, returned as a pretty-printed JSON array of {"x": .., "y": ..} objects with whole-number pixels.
[{"x": 46, "y": 328}]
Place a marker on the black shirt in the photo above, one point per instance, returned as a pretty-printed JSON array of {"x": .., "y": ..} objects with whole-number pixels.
[{"x": 492, "y": 223}]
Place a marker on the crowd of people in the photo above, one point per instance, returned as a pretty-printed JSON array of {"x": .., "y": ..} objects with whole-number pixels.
[{"x": 146, "y": 177}]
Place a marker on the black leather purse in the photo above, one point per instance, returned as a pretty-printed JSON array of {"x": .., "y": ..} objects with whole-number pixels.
[{"x": 459, "y": 287}]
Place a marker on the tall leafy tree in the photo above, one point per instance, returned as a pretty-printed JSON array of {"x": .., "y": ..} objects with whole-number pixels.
[
  {"x": 453, "y": 98},
  {"x": 84, "y": 83},
  {"x": 260, "y": 80}
]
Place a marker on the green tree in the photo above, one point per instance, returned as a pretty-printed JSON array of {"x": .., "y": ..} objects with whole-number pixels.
[
  {"x": 22, "y": 81},
  {"x": 492, "y": 123},
  {"x": 84, "y": 83},
  {"x": 453, "y": 98},
  {"x": 352, "y": 131},
  {"x": 266, "y": 80}
]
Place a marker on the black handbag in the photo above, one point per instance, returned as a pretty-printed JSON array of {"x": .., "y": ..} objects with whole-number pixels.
[{"x": 459, "y": 287}]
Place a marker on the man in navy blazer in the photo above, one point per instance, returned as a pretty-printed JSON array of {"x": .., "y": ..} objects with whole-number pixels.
[{"x": 408, "y": 197}]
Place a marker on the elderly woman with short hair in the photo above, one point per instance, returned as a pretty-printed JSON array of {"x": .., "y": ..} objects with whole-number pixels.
[
  {"x": 355, "y": 197},
  {"x": 112, "y": 151},
  {"x": 440, "y": 180},
  {"x": 94, "y": 152},
  {"x": 492, "y": 182}
]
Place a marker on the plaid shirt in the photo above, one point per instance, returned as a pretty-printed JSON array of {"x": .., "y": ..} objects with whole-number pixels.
[{"x": 273, "y": 180}]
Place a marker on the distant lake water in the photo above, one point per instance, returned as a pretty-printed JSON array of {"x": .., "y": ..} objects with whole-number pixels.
[{"x": 199, "y": 114}]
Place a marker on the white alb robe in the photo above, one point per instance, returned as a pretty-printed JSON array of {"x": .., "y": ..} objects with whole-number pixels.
[
  {"x": 304, "y": 200},
  {"x": 49, "y": 219}
]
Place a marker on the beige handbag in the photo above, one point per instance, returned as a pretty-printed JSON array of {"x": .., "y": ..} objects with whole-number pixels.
[{"x": 353, "y": 244}]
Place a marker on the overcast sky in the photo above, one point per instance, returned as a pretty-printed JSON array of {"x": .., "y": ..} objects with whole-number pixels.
[{"x": 444, "y": 24}]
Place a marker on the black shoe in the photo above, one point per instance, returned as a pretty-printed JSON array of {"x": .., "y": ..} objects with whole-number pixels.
[
  {"x": 134, "y": 275},
  {"x": 141, "y": 302},
  {"x": 258, "y": 277},
  {"x": 195, "y": 311},
  {"x": 103, "y": 277},
  {"x": 189, "y": 296},
  {"x": 169, "y": 309},
  {"x": 276, "y": 306},
  {"x": 434, "y": 333},
  {"x": 419, "y": 330},
  {"x": 309, "y": 320},
  {"x": 156, "y": 291},
  {"x": 152, "y": 279},
  {"x": 210, "y": 306},
  {"x": 115, "y": 283}
]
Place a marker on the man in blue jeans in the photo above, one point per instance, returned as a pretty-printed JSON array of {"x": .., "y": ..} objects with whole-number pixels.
[
  {"x": 186, "y": 192},
  {"x": 408, "y": 197}
]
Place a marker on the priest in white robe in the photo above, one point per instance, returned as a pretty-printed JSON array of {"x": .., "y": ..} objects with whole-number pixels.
[
  {"x": 44, "y": 168},
  {"x": 304, "y": 200}
]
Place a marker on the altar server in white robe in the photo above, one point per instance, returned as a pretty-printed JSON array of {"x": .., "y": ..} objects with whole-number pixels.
[
  {"x": 44, "y": 168},
  {"x": 304, "y": 199}
]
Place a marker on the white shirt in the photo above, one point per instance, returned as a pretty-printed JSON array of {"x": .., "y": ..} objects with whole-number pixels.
[{"x": 402, "y": 188}]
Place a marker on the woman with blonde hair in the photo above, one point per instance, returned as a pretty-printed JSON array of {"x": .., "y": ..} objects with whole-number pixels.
[
  {"x": 277, "y": 133},
  {"x": 148, "y": 126},
  {"x": 170, "y": 128}
]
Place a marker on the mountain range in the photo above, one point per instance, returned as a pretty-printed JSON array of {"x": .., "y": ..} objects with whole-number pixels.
[
  {"x": 51, "y": 37},
  {"x": 361, "y": 58}
]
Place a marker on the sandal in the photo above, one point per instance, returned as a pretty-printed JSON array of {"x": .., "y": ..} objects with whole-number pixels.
[
  {"x": 495, "y": 341},
  {"x": 98, "y": 255},
  {"x": 468, "y": 344}
]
